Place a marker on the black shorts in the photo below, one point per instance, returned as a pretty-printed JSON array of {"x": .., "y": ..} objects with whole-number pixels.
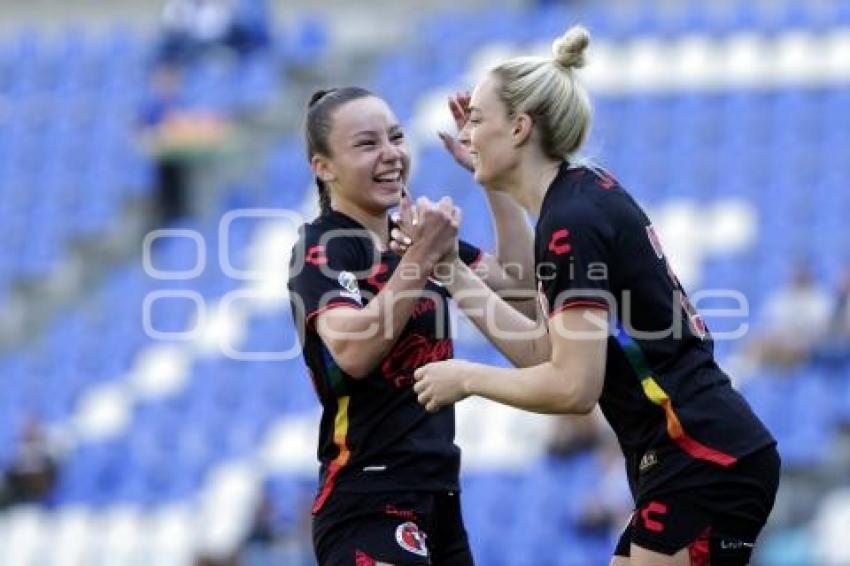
[
  {"x": 401, "y": 528},
  {"x": 718, "y": 522}
]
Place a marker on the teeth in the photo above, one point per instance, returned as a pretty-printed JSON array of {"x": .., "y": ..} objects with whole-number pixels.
[{"x": 389, "y": 178}]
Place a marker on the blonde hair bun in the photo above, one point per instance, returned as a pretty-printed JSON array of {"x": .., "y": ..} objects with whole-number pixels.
[{"x": 568, "y": 50}]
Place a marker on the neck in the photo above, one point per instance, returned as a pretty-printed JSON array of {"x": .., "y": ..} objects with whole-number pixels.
[
  {"x": 375, "y": 223},
  {"x": 530, "y": 181}
]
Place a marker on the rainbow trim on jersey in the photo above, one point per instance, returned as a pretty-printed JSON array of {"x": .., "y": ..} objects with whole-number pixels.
[
  {"x": 655, "y": 393},
  {"x": 336, "y": 379},
  {"x": 338, "y": 463}
]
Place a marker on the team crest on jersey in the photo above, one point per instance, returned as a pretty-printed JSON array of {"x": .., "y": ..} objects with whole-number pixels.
[
  {"x": 648, "y": 461},
  {"x": 349, "y": 282},
  {"x": 409, "y": 537}
]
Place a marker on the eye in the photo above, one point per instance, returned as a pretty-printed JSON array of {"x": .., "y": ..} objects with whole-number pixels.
[
  {"x": 475, "y": 121},
  {"x": 397, "y": 136},
  {"x": 364, "y": 143}
]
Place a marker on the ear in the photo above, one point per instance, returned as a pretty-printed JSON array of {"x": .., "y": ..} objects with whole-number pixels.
[
  {"x": 323, "y": 168},
  {"x": 522, "y": 127}
]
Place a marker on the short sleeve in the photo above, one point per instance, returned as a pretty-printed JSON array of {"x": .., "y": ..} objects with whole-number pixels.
[
  {"x": 321, "y": 279},
  {"x": 576, "y": 258},
  {"x": 469, "y": 254}
]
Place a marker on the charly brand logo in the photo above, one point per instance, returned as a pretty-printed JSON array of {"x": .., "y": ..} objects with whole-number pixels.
[
  {"x": 316, "y": 256},
  {"x": 410, "y": 538},
  {"x": 558, "y": 244}
]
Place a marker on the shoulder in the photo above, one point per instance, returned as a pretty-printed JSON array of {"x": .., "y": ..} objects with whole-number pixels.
[
  {"x": 318, "y": 244},
  {"x": 579, "y": 200},
  {"x": 309, "y": 236},
  {"x": 604, "y": 195},
  {"x": 331, "y": 236}
]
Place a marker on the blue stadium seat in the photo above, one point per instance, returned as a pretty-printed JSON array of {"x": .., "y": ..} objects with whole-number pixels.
[
  {"x": 781, "y": 149},
  {"x": 305, "y": 44},
  {"x": 288, "y": 175},
  {"x": 803, "y": 439}
]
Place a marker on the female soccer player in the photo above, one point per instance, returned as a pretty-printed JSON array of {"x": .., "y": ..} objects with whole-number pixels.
[
  {"x": 367, "y": 319},
  {"x": 621, "y": 331}
]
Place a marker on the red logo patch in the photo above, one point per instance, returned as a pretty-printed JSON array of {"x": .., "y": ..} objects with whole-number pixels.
[
  {"x": 409, "y": 537},
  {"x": 606, "y": 181},
  {"x": 558, "y": 244},
  {"x": 413, "y": 352},
  {"x": 653, "y": 508},
  {"x": 393, "y": 511},
  {"x": 378, "y": 271},
  {"x": 316, "y": 256},
  {"x": 363, "y": 559}
]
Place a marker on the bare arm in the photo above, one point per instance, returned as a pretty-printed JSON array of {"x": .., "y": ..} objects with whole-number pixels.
[
  {"x": 523, "y": 341},
  {"x": 512, "y": 268},
  {"x": 359, "y": 339},
  {"x": 571, "y": 382}
]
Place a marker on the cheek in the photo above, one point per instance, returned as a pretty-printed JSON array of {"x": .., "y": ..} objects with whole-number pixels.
[
  {"x": 405, "y": 161},
  {"x": 354, "y": 175},
  {"x": 361, "y": 168},
  {"x": 488, "y": 143},
  {"x": 488, "y": 136}
]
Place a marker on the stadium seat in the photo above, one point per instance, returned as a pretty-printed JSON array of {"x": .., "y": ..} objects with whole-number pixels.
[{"x": 68, "y": 164}]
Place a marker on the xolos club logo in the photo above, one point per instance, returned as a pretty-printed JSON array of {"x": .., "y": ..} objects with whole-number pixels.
[{"x": 409, "y": 537}]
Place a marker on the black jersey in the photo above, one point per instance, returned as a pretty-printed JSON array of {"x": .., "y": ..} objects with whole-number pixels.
[
  {"x": 374, "y": 436},
  {"x": 664, "y": 395}
]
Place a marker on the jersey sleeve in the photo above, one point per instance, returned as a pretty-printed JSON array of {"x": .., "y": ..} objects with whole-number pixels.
[
  {"x": 469, "y": 254},
  {"x": 323, "y": 278},
  {"x": 577, "y": 252}
]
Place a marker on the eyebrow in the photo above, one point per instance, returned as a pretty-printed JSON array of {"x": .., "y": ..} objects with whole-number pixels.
[{"x": 374, "y": 132}]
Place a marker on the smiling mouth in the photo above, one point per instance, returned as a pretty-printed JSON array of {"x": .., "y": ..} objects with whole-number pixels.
[{"x": 394, "y": 177}]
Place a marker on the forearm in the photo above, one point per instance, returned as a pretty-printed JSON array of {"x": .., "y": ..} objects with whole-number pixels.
[
  {"x": 511, "y": 273},
  {"x": 514, "y": 239},
  {"x": 359, "y": 339},
  {"x": 523, "y": 341},
  {"x": 543, "y": 388}
]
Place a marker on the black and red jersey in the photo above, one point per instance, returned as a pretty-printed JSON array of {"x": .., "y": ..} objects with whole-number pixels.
[
  {"x": 664, "y": 395},
  {"x": 374, "y": 436}
]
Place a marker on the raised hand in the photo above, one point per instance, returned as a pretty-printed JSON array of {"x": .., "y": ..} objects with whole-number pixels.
[
  {"x": 448, "y": 208},
  {"x": 459, "y": 107},
  {"x": 408, "y": 226},
  {"x": 406, "y": 222},
  {"x": 435, "y": 231}
]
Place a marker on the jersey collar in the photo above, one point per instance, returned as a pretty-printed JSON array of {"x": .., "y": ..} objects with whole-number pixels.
[{"x": 341, "y": 220}]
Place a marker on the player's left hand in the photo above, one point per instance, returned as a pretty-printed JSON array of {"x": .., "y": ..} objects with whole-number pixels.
[
  {"x": 458, "y": 146},
  {"x": 440, "y": 384},
  {"x": 401, "y": 236}
]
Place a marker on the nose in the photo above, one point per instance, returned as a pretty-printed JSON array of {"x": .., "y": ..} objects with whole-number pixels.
[{"x": 391, "y": 151}]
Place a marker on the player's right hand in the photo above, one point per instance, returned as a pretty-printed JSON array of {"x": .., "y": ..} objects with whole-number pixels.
[{"x": 435, "y": 233}]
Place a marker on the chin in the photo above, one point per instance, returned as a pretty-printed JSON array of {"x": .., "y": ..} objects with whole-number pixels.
[
  {"x": 481, "y": 177},
  {"x": 387, "y": 201}
]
